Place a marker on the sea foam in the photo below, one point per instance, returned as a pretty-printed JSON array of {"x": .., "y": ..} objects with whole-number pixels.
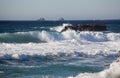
[
  {"x": 60, "y": 28},
  {"x": 112, "y": 72},
  {"x": 59, "y": 48},
  {"x": 46, "y": 36},
  {"x": 68, "y": 43}
]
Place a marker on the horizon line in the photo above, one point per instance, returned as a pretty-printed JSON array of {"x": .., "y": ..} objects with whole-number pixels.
[{"x": 55, "y": 20}]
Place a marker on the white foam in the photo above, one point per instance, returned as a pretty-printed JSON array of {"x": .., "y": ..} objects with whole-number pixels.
[
  {"x": 46, "y": 36},
  {"x": 68, "y": 42},
  {"x": 85, "y": 35},
  {"x": 19, "y": 51},
  {"x": 113, "y": 36},
  {"x": 60, "y": 28},
  {"x": 112, "y": 72},
  {"x": 16, "y": 56}
]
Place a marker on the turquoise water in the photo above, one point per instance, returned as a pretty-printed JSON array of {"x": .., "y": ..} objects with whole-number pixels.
[
  {"x": 52, "y": 68},
  {"x": 61, "y": 65}
]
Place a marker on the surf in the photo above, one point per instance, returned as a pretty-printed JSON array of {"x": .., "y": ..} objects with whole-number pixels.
[{"x": 40, "y": 50}]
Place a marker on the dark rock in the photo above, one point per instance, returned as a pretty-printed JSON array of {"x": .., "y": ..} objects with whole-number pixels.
[{"x": 86, "y": 27}]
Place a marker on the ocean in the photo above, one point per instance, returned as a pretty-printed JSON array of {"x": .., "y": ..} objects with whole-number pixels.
[{"x": 37, "y": 49}]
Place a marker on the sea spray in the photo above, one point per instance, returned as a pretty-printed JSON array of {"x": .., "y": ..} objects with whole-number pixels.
[
  {"x": 38, "y": 49},
  {"x": 112, "y": 72},
  {"x": 45, "y": 36}
]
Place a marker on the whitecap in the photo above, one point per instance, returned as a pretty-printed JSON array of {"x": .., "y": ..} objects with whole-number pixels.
[{"x": 112, "y": 72}]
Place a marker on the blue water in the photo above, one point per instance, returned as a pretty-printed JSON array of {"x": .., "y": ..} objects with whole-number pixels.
[
  {"x": 48, "y": 66},
  {"x": 23, "y": 26},
  {"x": 8, "y": 29}
]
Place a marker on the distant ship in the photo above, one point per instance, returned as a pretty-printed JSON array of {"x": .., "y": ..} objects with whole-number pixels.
[
  {"x": 41, "y": 19},
  {"x": 61, "y": 19}
]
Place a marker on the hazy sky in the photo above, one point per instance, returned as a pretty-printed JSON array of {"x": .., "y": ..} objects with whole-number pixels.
[{"x": 54, "y": 9}]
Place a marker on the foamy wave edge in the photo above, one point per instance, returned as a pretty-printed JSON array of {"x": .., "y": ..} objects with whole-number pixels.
[
  {"x": 57, "y": 55},
  {"x": 112, "y": 72},
  {"x": 45, "y": 36}
]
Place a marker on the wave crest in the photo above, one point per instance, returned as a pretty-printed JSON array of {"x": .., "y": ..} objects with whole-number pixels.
[
  {"x": 112, "y": 72},
  {"x": 45, "y": 36}
]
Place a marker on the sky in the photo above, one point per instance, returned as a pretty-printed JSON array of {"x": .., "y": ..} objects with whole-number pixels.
[{"x": 54, "y": 9}]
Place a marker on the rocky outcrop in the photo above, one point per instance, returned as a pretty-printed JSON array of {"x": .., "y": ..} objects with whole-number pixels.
[{"x": 86, "y": 27}]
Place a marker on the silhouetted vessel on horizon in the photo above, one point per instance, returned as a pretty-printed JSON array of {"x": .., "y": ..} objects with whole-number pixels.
[
  {"x": 41, "y": 19},
  {"x": 61, "y": 19}
]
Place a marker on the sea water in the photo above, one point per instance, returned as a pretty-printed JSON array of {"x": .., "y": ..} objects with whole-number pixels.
[{"x": 37, "y": 49}]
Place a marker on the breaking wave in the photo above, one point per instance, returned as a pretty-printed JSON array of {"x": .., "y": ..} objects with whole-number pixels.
[
  {"x": 112, "y": 72},
  {"x": 25, "y": 37},
  {"x": 44, "y": 36}
]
